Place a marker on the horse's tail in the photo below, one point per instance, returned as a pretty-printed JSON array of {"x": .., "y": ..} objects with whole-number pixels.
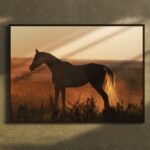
[{"x": 109, "y": 87}]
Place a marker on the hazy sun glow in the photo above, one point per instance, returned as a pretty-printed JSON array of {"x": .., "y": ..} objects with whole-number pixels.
[{"x": 79, "y": 42}]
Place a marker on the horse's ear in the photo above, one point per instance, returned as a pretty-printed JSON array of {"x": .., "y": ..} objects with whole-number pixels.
[{"x": 36, "y": 51}]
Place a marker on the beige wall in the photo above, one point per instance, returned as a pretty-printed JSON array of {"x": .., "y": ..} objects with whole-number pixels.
[{"x": 97, "y": 136}]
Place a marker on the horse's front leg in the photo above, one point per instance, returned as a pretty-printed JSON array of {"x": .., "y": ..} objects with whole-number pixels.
[
  {"x": 57, "y": 90},
  {"x": 63, "y": 98}
]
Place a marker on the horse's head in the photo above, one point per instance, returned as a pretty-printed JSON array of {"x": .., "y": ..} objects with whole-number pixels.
[{"x": 37, "y": 61}]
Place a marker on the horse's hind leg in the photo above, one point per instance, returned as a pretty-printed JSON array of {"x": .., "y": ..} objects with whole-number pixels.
[
  {"x": 99, "y": 89},
  {"x": 57, "y": 90},
  {"x": 63, "y": 98},
  {"x": 105, "y": 98}
]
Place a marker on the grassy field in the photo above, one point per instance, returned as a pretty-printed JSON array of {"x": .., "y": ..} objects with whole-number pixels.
[
  {"x": 78, "y": 113},
  {"x": 32, "y": 95}
]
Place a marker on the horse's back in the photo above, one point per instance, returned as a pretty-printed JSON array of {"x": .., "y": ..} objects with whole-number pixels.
[
  {"x": 91, "y": 71},
  {"x": 95, "y": 72},
  {"x": 70, "y": 75}
]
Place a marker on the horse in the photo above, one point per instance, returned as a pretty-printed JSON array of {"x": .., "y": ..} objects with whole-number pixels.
[{"x": 65, "y": 74}]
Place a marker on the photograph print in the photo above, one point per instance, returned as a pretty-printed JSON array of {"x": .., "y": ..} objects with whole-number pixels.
[{"x": 76, "y": 73}]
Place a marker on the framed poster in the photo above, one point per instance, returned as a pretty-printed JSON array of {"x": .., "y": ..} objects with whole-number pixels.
[{"x": 77, "y": 73}]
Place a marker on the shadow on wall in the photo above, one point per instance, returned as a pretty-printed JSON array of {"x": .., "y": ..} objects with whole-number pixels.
[
  {"x": 110, "y": 136},
  {"x": 133, "y": 137},
  {"x": 74, "y": 11}
]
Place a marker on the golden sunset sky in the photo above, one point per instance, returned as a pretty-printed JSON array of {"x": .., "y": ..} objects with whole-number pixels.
[{"x": 79, "y": 42}]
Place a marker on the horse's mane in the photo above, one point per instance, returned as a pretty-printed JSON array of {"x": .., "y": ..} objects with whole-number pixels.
[{"x": 50, "y": 57}]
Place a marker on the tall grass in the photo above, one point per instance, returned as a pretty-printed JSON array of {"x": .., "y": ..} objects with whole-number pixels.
[{"x": 78, "y": 112}]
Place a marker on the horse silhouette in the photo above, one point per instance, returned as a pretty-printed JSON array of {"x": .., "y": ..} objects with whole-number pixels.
[{"x": 65, "y": 74}]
